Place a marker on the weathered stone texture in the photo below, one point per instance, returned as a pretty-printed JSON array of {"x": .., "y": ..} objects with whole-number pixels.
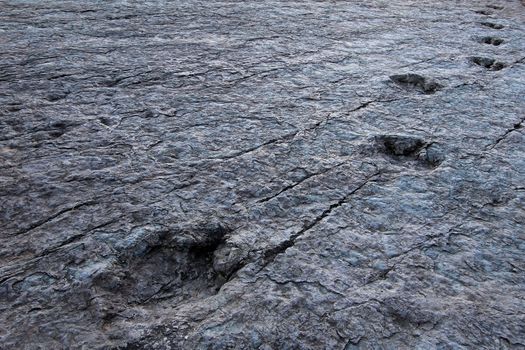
[{"x": 262, "y": 174}]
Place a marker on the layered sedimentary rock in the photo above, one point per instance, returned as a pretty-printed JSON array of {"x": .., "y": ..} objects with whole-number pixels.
[{"x": 262, "y": 174}]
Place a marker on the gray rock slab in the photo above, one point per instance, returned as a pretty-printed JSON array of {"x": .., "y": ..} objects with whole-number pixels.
[{"x": 262, "y": 174}]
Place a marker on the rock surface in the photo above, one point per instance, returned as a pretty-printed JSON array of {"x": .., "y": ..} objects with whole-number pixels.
[{"x": 262, "y": 174}]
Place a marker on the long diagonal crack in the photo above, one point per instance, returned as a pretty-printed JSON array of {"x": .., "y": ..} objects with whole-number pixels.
[
  {"x": 52, "y": 217},
  {"x": 295, "y": 184},
  {"x": 255, "y": 148},
  {"x": 515, "y": 127},
  {"x": 271, "y": 254}
]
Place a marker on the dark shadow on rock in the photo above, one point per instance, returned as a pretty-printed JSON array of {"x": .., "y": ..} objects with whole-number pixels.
[
  {"x": 410, "y": 148},
  {"x": 492, "y": 25},
  {"x": 167, "y": 264},
  {"x": 490, "y": 40},
  {"x": 488, "y": 63},
  {"x": 416, "y": 82}
]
